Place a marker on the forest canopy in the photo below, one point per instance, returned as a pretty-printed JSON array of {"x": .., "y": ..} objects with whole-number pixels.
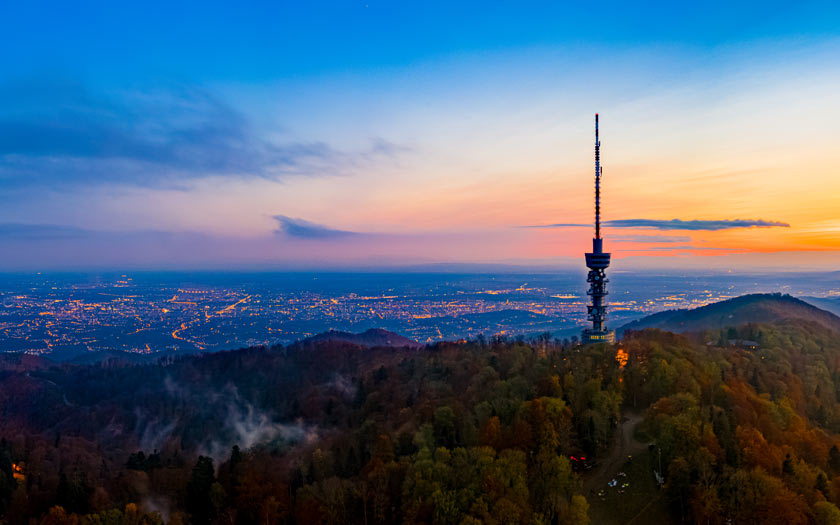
[{"x": 484, "y": 431}]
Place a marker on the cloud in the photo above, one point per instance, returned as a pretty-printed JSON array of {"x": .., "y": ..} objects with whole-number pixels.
[
  {"x": 676, "y": 224},
  {"x": 35, "y": 232},
  {"x": 560, "y": 225},
  {"x": 11, "y": 232},
  {"x": 682, "y": 248},
  {"x": 650, "y": 238},
  {"x": 302, "y": 229},
  {"x": 380, "y": 146},
  {"x": 287, "y": 226},
  {"x": 60, "y": 134}
]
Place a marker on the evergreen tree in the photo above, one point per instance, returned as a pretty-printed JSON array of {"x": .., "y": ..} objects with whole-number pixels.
[{"x": 199, "y": 503}]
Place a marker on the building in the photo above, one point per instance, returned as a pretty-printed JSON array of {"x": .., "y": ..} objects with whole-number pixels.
[{"x": 597, "y": 261}]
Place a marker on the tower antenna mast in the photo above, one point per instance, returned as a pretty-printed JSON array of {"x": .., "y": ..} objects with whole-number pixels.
[{"x": 597, "y": 181}]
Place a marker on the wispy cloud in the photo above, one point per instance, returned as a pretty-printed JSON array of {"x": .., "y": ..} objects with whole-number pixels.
[
  {"x": 302, "y": 229},
  {"x": 15, "y": 231},
  {"x": 56, "y": 246},
  {"x": 560, "y": 225},
  {"x": 676, "y": 224},
  {"x": 684, "y": 248},
  {"x": 650, "y": 238},
  {"x": 64, "y": 134}
]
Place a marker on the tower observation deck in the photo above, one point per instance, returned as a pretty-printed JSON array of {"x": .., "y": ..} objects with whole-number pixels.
[{"x": 597, "y": 261}]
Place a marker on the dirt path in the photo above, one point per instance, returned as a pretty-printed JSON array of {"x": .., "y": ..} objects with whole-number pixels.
[
  {"x": 625, "y": 445},
  {"x": 645, "y": 508}
]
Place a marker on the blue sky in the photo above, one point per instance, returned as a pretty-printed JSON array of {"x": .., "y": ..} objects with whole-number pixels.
[
  {"x": 199, "y": 42},
  {"x": 435, "y": 130}
]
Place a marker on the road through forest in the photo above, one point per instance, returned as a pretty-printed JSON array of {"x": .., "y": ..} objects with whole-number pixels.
[{"x": 625, "y": 445}]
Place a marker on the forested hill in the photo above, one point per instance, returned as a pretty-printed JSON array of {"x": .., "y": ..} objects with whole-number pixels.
[
  {"x": 829, "y": 304},
  {"x": 753, "y": 308},
  {"x": 374, "y": 337},
  {"x": 476, "y": 432}
]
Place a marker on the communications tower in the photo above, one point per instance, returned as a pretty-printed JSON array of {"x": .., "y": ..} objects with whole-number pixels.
[{"x": 597, "y": 262}]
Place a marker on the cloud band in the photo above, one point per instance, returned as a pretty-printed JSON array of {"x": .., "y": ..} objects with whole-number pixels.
[{"x": 677, "y": 224}]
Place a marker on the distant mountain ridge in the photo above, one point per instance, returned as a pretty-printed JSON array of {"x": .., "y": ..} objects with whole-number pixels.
[
  {"x": 829, "y": 304},
  {"x": 374, "y": 337},
  {"x": 752, "y": 308}
]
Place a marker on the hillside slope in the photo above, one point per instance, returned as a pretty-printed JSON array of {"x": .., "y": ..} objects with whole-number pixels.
[
  {"x": 374, "y": 337},
  {"x": 829, "y": 304},
  {"x": 753, "y": 308}
]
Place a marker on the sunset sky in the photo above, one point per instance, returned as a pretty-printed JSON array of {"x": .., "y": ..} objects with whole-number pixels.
[{"x": 355, "y": 134}]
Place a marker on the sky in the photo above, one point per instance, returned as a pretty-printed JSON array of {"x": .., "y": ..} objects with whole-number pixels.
[{"x": 377, "y": 134}]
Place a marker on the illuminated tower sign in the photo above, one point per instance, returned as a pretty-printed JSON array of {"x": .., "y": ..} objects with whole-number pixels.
[{"x": 597, "y": 262}]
